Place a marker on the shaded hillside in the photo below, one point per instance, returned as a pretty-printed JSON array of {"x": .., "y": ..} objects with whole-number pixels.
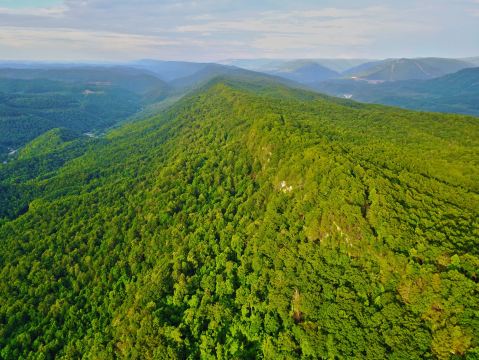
[
  {"x": 28, "y": 108},
  {"x": 454, "y": 93},
  {"x": 251, "y": 220}
]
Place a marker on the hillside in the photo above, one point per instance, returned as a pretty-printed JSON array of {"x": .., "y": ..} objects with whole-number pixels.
[
  {"x": 454, "y": 93},
  {"x": 249, "y": 220},
  {"x": 406, "y": 69},
  {"x": 30, "y": 107}
]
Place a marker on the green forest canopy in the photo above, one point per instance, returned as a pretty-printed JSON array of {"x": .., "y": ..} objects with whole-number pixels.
[{"x": 249, "y": 220}]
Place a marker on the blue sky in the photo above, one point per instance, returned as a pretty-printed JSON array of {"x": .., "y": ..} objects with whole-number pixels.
[
  {"x": 211, "y": 30},
  {"x": 18, "y": 4}
]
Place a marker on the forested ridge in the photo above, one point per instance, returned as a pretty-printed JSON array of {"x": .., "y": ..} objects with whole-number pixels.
[{"x": 249, "y": 220}]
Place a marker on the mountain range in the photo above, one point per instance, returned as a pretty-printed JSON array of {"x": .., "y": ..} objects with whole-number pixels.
[
  {"x": 91, "y": 98},
  {"x": 453, "y": 93},
  {"x": 314, "y": 70}
]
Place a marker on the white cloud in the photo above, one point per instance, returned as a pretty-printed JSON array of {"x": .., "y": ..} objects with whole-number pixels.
[
  {"x": 64, "y": 41},
  {"x": 310, "y": 30},
  {"x": 212, "y": 29},
  {"x": 38, "y": 12}
]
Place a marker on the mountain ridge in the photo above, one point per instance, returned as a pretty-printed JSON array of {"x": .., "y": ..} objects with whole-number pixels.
[{"x": 248, "y": 216}]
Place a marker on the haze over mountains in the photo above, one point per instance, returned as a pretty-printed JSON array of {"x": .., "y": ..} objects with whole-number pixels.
[
  {"x": 92, "y": 98},
  {"x": 92, "y": 91},
  {"x": 454, "y": 93}
]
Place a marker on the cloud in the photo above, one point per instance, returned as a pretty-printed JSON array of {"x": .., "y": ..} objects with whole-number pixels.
[
  {"x": 60, "y": 42},
  {"x": 212, "y": 29},
  {"x": 277, "y": 31},
  {"x": 37, "y": 12},
  {"x": 475, "y": 10}
]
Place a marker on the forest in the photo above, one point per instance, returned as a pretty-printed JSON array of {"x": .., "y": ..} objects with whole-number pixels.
[
  {"x": 84, "y": 99},
  {"x": 249, "y": 220}
]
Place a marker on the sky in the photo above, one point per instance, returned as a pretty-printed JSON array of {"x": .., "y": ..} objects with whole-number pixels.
[{"x": 215, "y": 30}]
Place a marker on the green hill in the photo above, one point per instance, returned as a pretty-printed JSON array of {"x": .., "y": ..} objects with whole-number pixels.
[
  {"x": 454, "y": 93},
  {"x": 250, "y": 220},
  {"x": 48, "y": 141}
]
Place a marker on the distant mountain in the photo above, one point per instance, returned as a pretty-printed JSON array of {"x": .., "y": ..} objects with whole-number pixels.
[
  {"x": 304, "y": 72},
  {"x": 183, "y": 76},
  {"x": 406, "y": 69},
  {"x": 314, "y": 70},
  {"x": 361, "y": 68},
  {"x": 256, "y": 64},
  {"x": 131, "y": 79},
  {"x": 338, "y": 65},
  {"x": 341, "y": 65},
  {"x": 454, "y": 93},
  {"x": 212, "y": 71},
  {"x": 473, "y": 60},
  {"x": 170, "y": 70}
]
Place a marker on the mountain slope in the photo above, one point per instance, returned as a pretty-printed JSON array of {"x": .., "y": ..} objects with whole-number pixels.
[
  {"x": 252, "y": 220},
  {"x": 81, "y": 98},
  {"x": 50, "y": 140},
  {"x": 454, "y": 93},
  {"x": 406, "y": 69},
  {"x": 28, "y": 108}
]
